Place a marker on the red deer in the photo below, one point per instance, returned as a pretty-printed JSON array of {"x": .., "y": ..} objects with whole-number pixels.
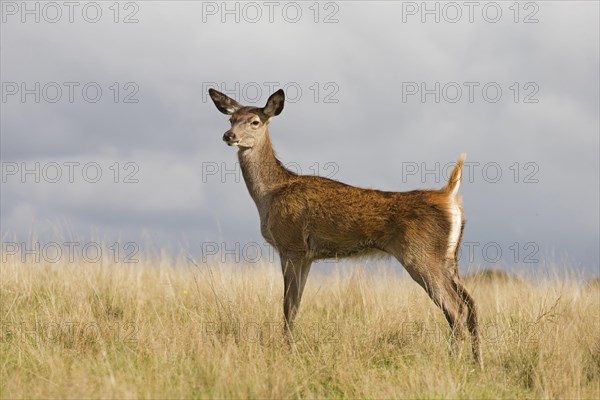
[{"x": 307, "y": 218}]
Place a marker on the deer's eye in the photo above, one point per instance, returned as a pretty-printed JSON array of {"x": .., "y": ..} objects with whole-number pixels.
[{"x": 255, "y": 123}]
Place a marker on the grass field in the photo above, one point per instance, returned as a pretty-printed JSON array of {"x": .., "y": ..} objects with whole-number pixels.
[{"x": 159, "y": 329}]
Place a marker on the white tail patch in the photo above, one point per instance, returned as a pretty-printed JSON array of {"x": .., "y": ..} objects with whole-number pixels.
[
  {"x": 455, "y": 212},
  {"x": 455, "y": 224},
  {"x": 457, "y": 185}
]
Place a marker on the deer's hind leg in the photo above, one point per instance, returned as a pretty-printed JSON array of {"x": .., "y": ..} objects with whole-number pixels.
[
  {"x": 438, "y": 276},
  {"x": 472, "y": 321}
]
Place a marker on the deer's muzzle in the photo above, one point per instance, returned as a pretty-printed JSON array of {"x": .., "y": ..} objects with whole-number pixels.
[{"x": 229, "y": 138}]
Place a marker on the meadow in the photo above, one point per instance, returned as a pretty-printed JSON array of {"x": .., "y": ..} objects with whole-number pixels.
[{"x": 178, "y": 329}]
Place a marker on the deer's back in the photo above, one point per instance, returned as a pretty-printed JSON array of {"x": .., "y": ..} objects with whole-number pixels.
[{"x": 325, "y": 218}]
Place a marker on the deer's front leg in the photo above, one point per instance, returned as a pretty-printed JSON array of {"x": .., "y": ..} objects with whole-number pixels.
[{"x": 295, "y": 272}]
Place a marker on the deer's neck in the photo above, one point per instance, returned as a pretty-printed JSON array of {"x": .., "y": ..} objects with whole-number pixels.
[{"x": 262, "y": 171}]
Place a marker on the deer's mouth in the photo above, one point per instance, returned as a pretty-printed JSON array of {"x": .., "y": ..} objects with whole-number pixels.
[{"x": 230, "y": 139}]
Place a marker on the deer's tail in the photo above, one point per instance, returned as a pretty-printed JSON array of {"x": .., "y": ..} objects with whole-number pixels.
[{"x": 456, "y": 177}]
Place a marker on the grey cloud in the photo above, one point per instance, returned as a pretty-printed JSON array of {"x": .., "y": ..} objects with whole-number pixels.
[{"x": 370, "y": 134}]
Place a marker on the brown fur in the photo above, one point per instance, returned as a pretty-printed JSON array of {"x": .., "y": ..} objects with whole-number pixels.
[{"x": 306, "y": 218}]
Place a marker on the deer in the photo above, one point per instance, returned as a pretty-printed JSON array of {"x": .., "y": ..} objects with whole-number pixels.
[{"x": 307, "y": 218}]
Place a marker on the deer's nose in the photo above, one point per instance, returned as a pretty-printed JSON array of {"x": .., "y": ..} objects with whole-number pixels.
[{"x": 229, "y": 136}]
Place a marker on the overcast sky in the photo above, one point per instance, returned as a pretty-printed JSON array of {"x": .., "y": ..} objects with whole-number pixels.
[{"x": 380, "y": 94}]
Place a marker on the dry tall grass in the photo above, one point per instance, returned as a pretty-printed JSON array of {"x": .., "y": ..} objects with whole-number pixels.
[{"x": 157, "y": 329}]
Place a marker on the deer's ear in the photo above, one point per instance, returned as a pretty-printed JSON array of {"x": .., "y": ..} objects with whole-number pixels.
[
  {"x": 275, "y": 104},
  {"x": 225, "y": 104}
]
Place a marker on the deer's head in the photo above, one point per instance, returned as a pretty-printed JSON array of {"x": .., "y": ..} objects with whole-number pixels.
[{"x": 249, "y": 125}]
